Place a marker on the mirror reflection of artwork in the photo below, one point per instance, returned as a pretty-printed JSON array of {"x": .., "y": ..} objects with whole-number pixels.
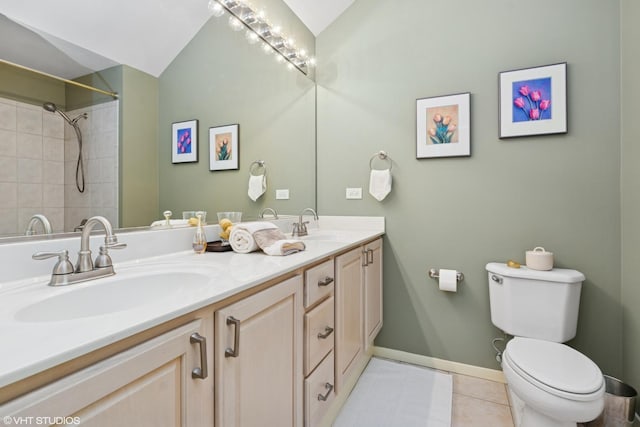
[
  {"x": 223, "y": 147},
  {"x": 442, "y": 123},
  {"x": 184, "y": 142}
]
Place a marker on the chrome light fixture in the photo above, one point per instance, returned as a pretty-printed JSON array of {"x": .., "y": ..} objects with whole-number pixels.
[{"x": 258, "y": 28}]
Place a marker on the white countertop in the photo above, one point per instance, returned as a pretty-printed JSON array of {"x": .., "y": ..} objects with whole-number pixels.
[{"x": 29, "y": 346}]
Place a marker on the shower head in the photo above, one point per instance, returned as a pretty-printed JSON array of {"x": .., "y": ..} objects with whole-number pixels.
[{"x": 52, "y": 108}]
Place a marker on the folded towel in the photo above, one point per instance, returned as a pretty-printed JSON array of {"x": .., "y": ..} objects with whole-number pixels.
[
  {"x": 241, "y": 238},
  {"x": 257, "y": 186},
  {"x": 173, "y": 222},
  {"x": 274, "y": 242},
  {"x": 380, "y": 183}
]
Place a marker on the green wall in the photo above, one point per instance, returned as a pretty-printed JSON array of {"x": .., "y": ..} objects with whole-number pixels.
[
  {"x": 138, "y": 167},
  {"x": 219, "y": 79},
  {"x": 559, "y": 191},
  {"x": 25, "y": 86},
  {"x": 630, "y": 178}
]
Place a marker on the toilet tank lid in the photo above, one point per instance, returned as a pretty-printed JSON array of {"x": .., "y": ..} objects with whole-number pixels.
[{"x": 562, "y": 275}]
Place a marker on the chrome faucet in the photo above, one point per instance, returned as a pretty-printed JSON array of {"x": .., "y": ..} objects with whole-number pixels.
[
  {"x": 300, "y": 227},
  {"x": 46, "y": 225},
  {"x": 65, "y": 274},
  {"x": 273, "y": 212}
]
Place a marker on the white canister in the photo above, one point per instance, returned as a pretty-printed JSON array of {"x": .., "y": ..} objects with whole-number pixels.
[{"x": 539, "y": 259}]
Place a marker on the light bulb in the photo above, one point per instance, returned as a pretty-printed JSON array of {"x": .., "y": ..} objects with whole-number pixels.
[
  {"x": 279, "y": 58},
  {"x": 276, "y": 30},
  {"x": 251, "y": 37},
  {"x": 266, "y": 48},
  {"x": 312, "y": 62},
  {"x": 302, "y": 53},
  {"x": 290, "y": 66},
  {"x": 216, "y": 8},
  {"x": 235, "y": 23}
]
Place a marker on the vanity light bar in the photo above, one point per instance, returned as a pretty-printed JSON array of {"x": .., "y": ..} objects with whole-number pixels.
[{"x": 265, "y": 32}]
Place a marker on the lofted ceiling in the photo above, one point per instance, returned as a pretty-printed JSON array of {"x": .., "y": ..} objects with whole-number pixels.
[{"x": 145, "y": 34}]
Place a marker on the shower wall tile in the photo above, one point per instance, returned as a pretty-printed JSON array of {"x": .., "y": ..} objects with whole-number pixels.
[
  {"x": 8, "y": 169},
  {"x": 56, "y": 218},
  {"x": 30, "y": 196},
  {"x": 29, "y": 146},
  {"x": 8, "y": 221},
  {"x": 53, "y": 172},
  {"x": 8, "y": 116},
  {"x": 75, "y": 199},
  {"x": 52, "y": 125},
  {"x": 53, "y": 196},
  {"x": 8, "y": 146},
  {"x": 73, "y": 217},
  {"x": 53, "y": 149},
  {"x": 29, "y": 120},
  {"x": 9, "y": 194},
  {"x": 30, "y": 171}
]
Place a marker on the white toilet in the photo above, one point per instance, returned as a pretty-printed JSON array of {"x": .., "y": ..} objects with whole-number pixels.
[{"x": 550, "y": 383}]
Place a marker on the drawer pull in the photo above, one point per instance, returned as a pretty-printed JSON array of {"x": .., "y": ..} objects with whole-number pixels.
[
  {"x": 326, "y": 282},
  {"x": 200, "y": 372},
  {"x": 327, "y": 331},
  {"x": 235, "y": 351},
  {"x": 329, "y": 388}
]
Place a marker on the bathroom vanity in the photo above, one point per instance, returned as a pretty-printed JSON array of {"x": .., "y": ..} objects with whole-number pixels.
[{"x": 233, "y": 339}]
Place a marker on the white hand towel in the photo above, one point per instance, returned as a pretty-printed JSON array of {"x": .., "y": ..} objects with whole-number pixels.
[
  {"x": 241, "y": 238},
  {"x": 274, "y": 242},
  {"x": 257, "y": 186},
  {"x": 380, "y": 183}
]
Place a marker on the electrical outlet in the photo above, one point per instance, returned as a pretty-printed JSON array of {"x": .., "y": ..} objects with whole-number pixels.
[
  {"x": 282, "y": 194},
  {"x": 354, "y": 193}
]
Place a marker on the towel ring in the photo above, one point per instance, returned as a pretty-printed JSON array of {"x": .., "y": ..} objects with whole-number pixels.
[
  {"x": 255, "y": 166},
  {"x": 382, "y": 155}
]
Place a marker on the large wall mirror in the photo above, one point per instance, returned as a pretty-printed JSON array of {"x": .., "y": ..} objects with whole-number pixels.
[{"x": 217, "y": 79}]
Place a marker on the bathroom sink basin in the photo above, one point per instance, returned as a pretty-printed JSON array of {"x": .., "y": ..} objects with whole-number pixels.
[{"x": 112, "y": 295}]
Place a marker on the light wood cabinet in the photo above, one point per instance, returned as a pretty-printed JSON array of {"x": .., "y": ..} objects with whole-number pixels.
[
  {"x": 258, "y": 362},
  {"x": 372, "y": 291},
  {"x": 358, "y": 307},
  {"x": 152, "y": 384},
  {"x": 349, "y": 314}
]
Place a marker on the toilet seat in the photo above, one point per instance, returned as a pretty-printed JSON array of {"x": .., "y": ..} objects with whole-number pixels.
[{"x": 556, "y": 368}]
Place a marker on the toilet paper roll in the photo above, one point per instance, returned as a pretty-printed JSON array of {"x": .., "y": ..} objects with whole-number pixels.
[{"x": 448, "y": 280}]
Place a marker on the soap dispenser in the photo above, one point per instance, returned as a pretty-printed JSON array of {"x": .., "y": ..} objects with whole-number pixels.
[{"x": 200, "y": 238}]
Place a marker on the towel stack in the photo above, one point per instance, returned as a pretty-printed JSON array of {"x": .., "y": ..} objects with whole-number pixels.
[{"x": 250, "y": 236}]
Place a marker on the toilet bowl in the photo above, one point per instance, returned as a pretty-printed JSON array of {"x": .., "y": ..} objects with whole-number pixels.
[{"x": 558, "y": 385}]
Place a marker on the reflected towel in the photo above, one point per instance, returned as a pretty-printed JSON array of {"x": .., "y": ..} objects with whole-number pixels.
[
  {"x": 274, "y": 242},
  {"x": 257, "y": 186},
  {"x": 241, "y": 238},
  {"x": 380, "y": 183}
]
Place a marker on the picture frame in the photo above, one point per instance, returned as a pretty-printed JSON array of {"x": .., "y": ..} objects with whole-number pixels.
[
  {"x": 184, "y": 142},
  {"x": 224, "y": 144},
  {"x": 443, "y": 126},
  {"x": 533, "y": 101}
]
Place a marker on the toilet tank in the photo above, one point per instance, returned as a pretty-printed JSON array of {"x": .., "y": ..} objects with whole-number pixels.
[{"x": 535, "y": 304}]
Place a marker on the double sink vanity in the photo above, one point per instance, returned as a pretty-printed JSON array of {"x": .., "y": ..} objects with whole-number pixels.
[{"x": 178, "y": 338}]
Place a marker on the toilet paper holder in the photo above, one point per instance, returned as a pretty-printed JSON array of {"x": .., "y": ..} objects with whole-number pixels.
[{"x": 435, "y": 274}]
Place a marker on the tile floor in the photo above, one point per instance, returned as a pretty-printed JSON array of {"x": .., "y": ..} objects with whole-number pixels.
[{"x": 479, "y": 403}]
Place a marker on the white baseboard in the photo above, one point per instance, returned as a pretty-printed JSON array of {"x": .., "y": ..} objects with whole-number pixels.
[{"x": 441, "y": 364}]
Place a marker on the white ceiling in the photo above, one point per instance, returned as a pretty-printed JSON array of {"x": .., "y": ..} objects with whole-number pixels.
[
  {"x": 145, "y": 34},
  {"x": 318, "y": 14}
]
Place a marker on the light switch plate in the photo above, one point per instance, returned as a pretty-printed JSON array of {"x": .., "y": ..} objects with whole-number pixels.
[
  {"x": 282, "y": 194},
  {"x": 354, "y": 193}
]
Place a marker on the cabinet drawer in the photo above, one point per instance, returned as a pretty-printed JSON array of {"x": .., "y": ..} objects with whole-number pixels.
[
  {"x": 319, "y": 334},
  {"x": 318, "y": 282},
  {"x": 318, "y": 392}
]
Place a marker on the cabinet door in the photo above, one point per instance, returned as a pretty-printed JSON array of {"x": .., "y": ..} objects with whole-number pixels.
[
  {"x": 259, "y": 359},
  {"x": 349, "y": 329},
  {"x": 148, "y": 385},
  {"x": 372, "y": 291}
]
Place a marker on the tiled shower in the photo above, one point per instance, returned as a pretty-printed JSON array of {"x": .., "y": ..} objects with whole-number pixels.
[{"x": 38, "y": 153}]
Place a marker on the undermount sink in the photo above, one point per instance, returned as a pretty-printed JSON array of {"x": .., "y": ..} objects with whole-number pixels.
[{"x": 112, "y": 295}]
